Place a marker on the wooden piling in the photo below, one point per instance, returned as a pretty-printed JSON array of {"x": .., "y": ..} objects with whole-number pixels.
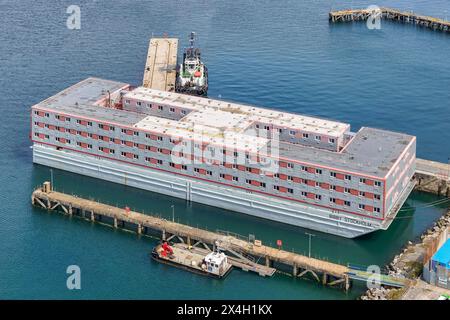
[{"x": 390, "y": 14}]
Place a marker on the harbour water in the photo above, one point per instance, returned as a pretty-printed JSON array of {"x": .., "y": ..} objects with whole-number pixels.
[{"x": 281, "y": 55}]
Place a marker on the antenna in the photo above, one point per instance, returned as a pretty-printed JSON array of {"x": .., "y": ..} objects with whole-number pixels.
[{"x": 191, "y": 39}]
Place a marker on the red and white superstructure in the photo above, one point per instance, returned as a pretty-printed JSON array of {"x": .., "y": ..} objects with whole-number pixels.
[{"x": 285, "y": 167}]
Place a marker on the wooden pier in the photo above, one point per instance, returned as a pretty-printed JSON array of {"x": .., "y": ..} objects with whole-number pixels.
[
  {"x": 390, "y": 14},
  {"x": 160, "y": 68},
  {"x": 243, "y": 254}
]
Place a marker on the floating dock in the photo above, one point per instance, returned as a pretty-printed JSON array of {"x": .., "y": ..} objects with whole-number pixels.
[
  {"x": 390, "y": 14},
  {"x": 160, "y": 68},
  {"x": 242, "y": 253}
]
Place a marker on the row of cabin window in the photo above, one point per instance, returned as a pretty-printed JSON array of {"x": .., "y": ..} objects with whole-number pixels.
[
  {"x": 235, "y": 154},
  {"x": 248, "y": 169},
  {"x": 208, "y": 172},
  {"x": 304, "y": 135},
  {"x": 160, "y": 107}
]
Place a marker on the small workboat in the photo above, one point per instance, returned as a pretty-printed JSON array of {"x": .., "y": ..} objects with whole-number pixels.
[
  {"x": 192, "y": 75},
  {"x": 214, "y": 263}
]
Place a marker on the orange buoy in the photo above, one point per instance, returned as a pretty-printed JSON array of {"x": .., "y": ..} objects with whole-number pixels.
[{"x": 197, "y": 74}]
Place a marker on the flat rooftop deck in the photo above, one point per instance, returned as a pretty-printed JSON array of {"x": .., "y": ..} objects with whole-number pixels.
[
  {"x": 271, "y": 116},
  {"x": 371, "y": 151},
  {"x": 160, "y": 68}
]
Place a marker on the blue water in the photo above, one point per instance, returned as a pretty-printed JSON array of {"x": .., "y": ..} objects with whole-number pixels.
[{"x": 278, "y": 54}]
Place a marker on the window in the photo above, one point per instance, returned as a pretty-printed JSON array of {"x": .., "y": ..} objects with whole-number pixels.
[
  {"x": 348, "y": 177},
  {"x": 331, "y": 140},
  {"x": 305, "y": 135},
  {"x": 184, "y": 167},
  {"x": 196, "y": 170},
  {"x": 317, "y": 184},
  {"x": 332, "y": 187},
  {"x": 235, "y": 178},
  {"x": 138, "y": 103},
  {"x": 318, "y": 171},
  {"x": 222, "y": 175},
  {"x": 290, "y": 165},
  {"x": 235, "y": 154},
  {"x": 276, "y": 188},
  {"x": 135, "y": 156},
  {"x": 318, "y": 197},
  {"x": 248, "y": 169},
  {"x": 362, "y": 180},
  {"x": 127, "y": 101},
  {"x": 159, "y": 161},
  {"x": 289, "y": 178},
  {"x": 304, "y": 193},
  {"x": 136, "y": 133},
  {"x": 361, "y": 206},
  {"x": 160, "y": 138},
  {"x": 209, "y": 173},
  {"x": 347, "y": 203},
  {"x": 263, "y": 184},
  {"x": 375, "y": 209},
  {"x": 304, "y": 168},
  {"x": 376, "y": 196},
  {"x": 333, "y": 200},
  {"x": 318, "y": 138},
  {"x": 172, "y": 110},
  {"x": 346, "y": 190},
  {"x": 149, "y": 105},
  {"x": 123, "y": 130},
  {"x": 292, "y": 132},
  {"x": 89, "y": 123},
  {"x": 377, "y": 183},
  {"x": 333, "y": 174},
  {"x": 248, "y": 181},
  {"x": 362, "y": 193},
  {"x": 160, "y": 108},
  {"x": 183, "y": 112},
  {"x": 290, "y": 190}
]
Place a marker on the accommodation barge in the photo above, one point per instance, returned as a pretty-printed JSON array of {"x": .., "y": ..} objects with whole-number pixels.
[{"x": 289, "y": 168}]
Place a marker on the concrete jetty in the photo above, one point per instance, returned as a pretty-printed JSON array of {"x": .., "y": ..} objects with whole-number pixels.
[
  {"x": 390, "y": 14},
  {"x": 433, "y": 177},
  {"x": 160, "y": 67}
]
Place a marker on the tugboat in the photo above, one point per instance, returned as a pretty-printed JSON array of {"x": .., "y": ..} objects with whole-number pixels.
[
  {"x": 192, "y": 75},
  {"x": 214, "y": 264}
]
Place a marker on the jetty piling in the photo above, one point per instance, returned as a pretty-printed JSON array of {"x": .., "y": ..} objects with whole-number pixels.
[{"x": 390, "y": 14}]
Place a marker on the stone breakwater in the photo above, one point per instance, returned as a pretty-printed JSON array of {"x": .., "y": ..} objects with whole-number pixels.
[{"x": 409, "y": 262}]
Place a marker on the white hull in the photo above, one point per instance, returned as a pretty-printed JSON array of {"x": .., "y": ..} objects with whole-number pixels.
[{"x": 261, "y": 206}]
